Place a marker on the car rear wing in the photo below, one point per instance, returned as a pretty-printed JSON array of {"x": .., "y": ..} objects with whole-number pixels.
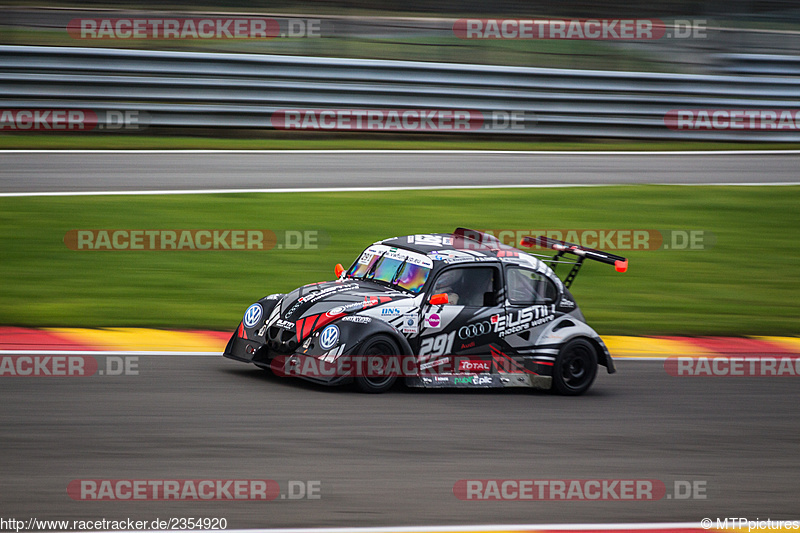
[
  {"x": 620, "y": 263},
  {"x": 561, "y": 247},
  {"x": 474, "y": 239}
]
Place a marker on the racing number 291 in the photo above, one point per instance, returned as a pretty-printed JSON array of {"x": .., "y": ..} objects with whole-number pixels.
[{"x": 438, "y": 345}]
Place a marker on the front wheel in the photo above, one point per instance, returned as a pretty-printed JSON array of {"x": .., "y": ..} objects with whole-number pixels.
[
  {"x": 382, "y": 347},
  {"x": 575, "y": 368}
]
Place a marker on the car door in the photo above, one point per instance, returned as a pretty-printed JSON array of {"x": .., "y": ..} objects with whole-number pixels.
[{"x": 464, "y": 325}]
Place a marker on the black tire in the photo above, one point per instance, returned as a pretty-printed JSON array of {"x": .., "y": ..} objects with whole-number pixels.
[
  {"x": 377, "y": 345},
  {"x": 575, "y": 368}
]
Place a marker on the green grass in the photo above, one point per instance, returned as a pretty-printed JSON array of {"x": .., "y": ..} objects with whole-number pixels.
[
  {"x": 321, "y": 142},
  {"x": 746, "y": 284}
]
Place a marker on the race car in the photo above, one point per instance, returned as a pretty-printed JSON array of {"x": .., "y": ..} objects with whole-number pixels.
[{"x": 457, "y": 309}]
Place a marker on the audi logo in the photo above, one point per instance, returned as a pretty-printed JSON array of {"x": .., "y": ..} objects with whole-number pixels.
[{"x": 475, "y": 330}]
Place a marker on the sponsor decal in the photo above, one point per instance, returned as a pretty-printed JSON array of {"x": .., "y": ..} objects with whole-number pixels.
[
  {"x": 473, "y": 365},
  {"x": 466, "y": 345},
  {"x": 475, "y": 329},
  {"x": 433, "y": 321},
  {"x": 285, "y": 324},
  {"x": 391, "y": 311},
  {"x": 342, "y": 309},
  {"x": 430, "y": 240},
  {"x": 517, "y": 321},
  {"x": 436, "y": 362},
  {"x": 253, "y": 315},
  {"x": 292, "y": 309},
  {"x": 566, "y": 302},
  {"x": 441, "y": 379},
  {"x": 357, "y": 319},
  {"x": 458, "y": 256},
  {"x": 329, "y": 337},
  {"x": 410, "y": 324},
  {"x": 318, "y": 295},
  {"x": 473, "y": 380},
  {"x": 413, "y": 258}
]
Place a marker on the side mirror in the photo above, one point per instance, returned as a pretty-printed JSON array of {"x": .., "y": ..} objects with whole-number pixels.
[
  {"x": 439, "y": 299},
  {"x": 338, "y": 269}
]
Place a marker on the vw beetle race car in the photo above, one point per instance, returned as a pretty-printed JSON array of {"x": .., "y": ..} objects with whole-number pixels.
[{"x": 438, "y": 310}]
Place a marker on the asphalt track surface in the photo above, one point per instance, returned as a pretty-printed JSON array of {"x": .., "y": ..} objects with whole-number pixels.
[
  {"x": 393, "y": 459},
  {"x": 116, "y": 171}
]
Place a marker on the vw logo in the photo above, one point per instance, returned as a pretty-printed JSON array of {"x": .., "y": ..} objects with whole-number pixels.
[
  {"x": 252, "y": 315},
  {"x": 475, "y": 330},
  {"x": 329, "y": 337}
]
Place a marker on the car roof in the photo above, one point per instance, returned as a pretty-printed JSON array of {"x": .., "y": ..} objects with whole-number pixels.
[{"x": 461, "y": 247}]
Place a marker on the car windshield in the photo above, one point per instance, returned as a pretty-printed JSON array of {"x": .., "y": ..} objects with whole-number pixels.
[{"x": 392, "y": 266}]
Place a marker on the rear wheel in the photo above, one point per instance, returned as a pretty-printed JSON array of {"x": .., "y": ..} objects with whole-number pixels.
[
  {"x": 383, "y": 348},
  {"x": 575, "y": 368}
]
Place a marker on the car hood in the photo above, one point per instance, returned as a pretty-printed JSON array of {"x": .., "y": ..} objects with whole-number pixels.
[{"x": 335, "y": 299}]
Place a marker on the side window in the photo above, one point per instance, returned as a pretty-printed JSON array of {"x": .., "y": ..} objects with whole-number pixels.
[
  {"x": 476, "y": 286},
  {"x": 527, "y": 287}
]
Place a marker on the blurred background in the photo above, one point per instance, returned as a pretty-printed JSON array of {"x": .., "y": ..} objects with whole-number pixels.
[
  {"x": 421, "y": 30},
  {"x": 705, "y": 55}
]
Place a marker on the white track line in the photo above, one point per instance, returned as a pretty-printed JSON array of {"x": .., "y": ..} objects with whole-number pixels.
[
  {"x": 284, "y": 190},
  {"x": 414, "y": 152},
  {"x": 375, "y": 189}
]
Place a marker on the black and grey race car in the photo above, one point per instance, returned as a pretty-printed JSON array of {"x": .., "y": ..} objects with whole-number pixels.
[{"x": 437, "y": 310}]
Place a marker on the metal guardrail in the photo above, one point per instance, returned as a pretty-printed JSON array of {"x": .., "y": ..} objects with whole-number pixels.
[
  {"x": 210, "y": 90},
  {"x": 760, "y": 64}
]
